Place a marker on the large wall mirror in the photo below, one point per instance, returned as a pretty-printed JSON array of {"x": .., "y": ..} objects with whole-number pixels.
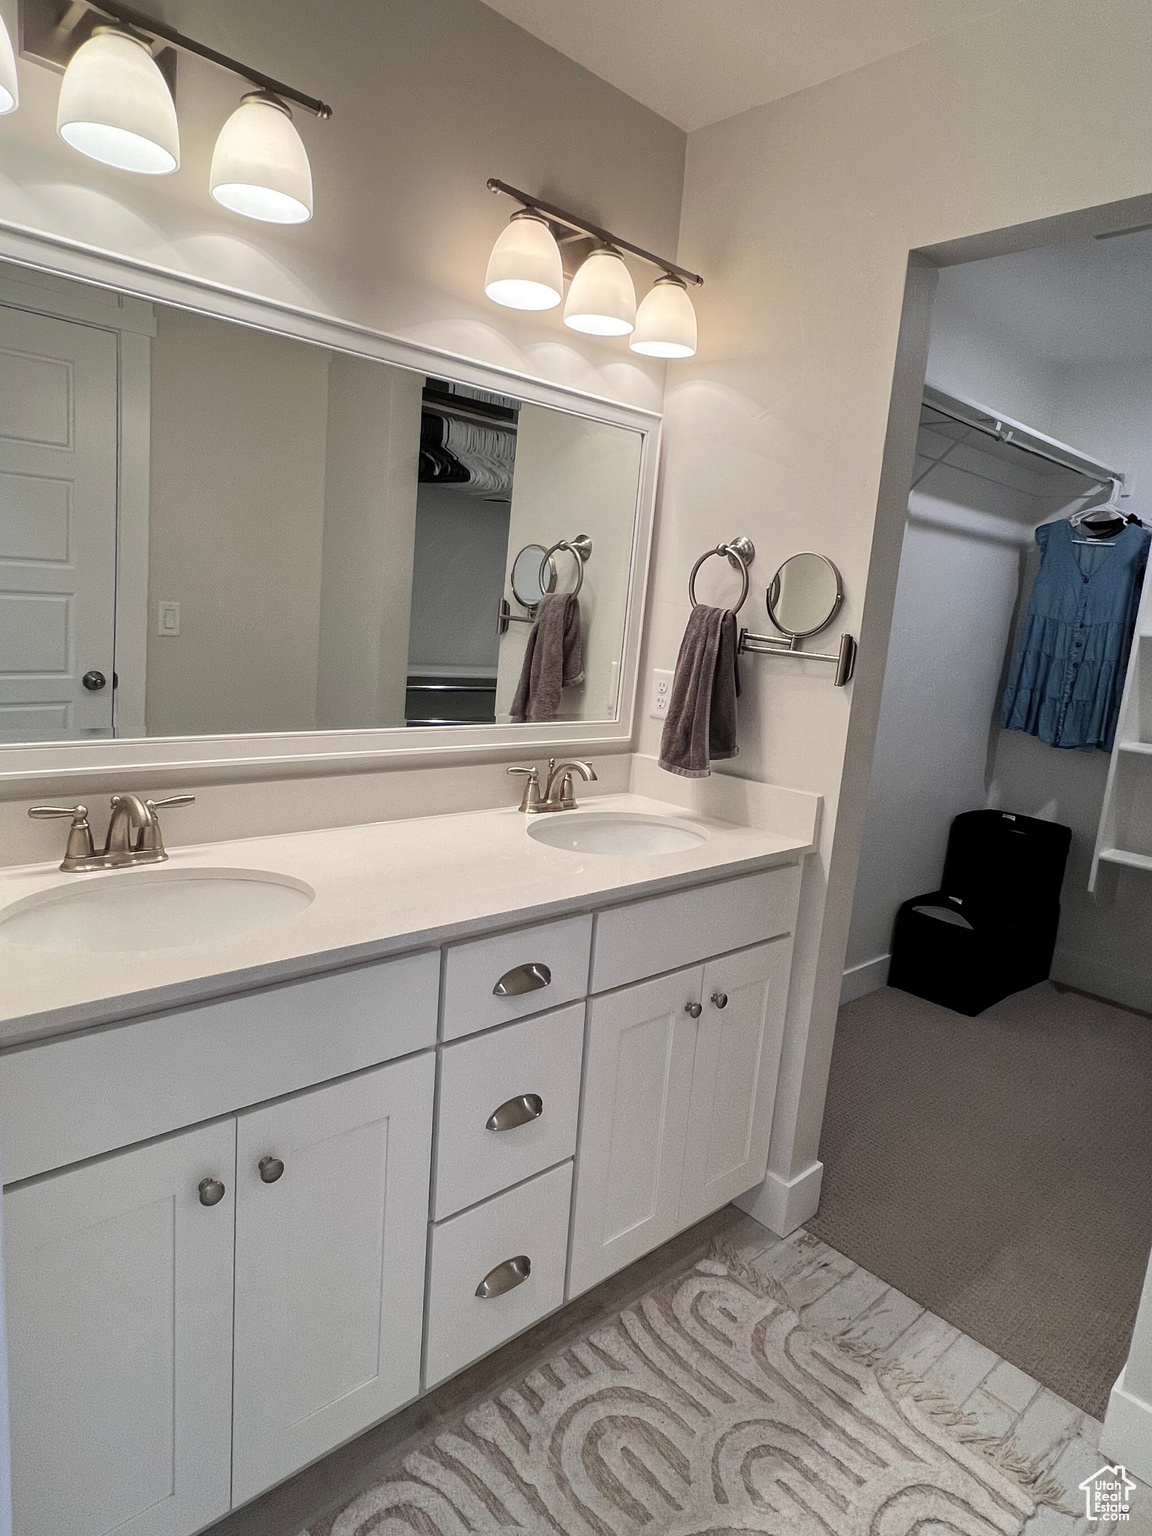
[{"x": 211, "y": 529}]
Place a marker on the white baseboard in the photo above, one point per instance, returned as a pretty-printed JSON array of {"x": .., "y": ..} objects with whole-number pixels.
[
  {"x": 1127, "y": 1433},
  {"x": 1125, "y": 985},
  {"x": 861, "y": 979},
  {"x": 782, "y": 1205}
]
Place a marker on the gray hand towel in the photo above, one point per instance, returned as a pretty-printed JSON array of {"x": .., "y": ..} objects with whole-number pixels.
[
  {"x": 553, "y": 659},
  {"x": 701, "y": 722}
]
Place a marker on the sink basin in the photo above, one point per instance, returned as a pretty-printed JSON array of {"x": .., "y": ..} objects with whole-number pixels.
[
  {"x": 619, "y": 832},
  {"x": 136, "y": 910}
]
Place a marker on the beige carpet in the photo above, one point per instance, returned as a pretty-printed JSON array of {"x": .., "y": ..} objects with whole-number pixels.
[
  {"x": 704, "y": 1409},
  {"x": 998, "y": 1170}
]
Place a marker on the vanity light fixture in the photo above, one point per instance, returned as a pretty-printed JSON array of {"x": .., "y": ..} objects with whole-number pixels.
[
  {"x": 9, "y": 89},
  {"x": 260, "y": 166},
  {"x": 601, "y": 299},
  {"x": 117, "y": 104},
  {"x": 665, "y": 321},
  {"x": 525, "y": 270}
]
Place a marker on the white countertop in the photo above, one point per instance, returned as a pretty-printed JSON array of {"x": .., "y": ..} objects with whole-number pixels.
[{"x": 380, "y": 889}]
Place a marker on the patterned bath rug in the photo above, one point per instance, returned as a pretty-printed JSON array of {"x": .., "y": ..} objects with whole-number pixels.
[{"x": 706, "y": 1408}]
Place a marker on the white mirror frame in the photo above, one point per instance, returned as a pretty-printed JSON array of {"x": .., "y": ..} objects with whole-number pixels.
[{"x": 283, "y": 754}]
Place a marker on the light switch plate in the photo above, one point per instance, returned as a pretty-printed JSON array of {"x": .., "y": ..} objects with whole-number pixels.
[
  {"x": 661, "y": 694},
  {"x": 167, "y": 618}
]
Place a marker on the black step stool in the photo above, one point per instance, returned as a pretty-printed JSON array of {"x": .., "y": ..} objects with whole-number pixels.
[{"x": 990, "y": 930}]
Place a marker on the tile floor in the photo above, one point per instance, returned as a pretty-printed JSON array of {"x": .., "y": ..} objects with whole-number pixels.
[{"x": 830, "y": 1293}]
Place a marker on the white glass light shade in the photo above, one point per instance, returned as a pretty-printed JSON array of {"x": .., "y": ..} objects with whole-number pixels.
[
  {"x": 525, "y": 270},
  {"x": 665, "y": 321},
  {"x": 9, "y": 90},
  {"x": 602, "y": 300},
  {"x": 260, "y": 166},
  {"x": 115, "y": 106}
]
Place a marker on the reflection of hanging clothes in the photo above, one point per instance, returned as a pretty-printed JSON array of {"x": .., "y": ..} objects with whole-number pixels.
[
  {"x": 437, "y": 466},
  {"x": 1067, "y": 676},
  {"x": 487, "y": 453}
]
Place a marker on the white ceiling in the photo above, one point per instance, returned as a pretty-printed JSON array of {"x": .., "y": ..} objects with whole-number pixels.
[
  {"x": 698, "y": 61},
  {"x": 1064, "y": 303}
]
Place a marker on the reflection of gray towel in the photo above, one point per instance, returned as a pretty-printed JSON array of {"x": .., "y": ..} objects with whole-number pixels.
[
  {"x": 553, "y": 659},
  {"x": 487, "y": 453},
  {"x": 701, "y": 723}
]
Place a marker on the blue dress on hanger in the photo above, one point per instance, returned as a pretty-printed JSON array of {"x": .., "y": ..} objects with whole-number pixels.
[{"x": 1067, "y": 677}]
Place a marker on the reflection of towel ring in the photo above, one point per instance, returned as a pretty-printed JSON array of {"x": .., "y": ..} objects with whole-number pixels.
[
  {"x": 740, "y": 552},
  {"x": 580, "y": 548}
]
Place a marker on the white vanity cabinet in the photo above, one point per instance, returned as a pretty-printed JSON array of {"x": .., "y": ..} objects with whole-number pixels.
[
  {"x": 119, "y": 1289},
  {"x": 217, "y": 1244},
  {"x": 331, "y": 1222},
  {"x": 679, "y": 1072}
]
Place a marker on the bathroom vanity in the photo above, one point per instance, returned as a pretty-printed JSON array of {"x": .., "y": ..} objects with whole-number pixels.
[{"x": 267, "y": 1185}]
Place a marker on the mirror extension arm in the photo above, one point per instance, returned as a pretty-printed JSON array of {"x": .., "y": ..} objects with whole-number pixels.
[{"x": 844, "y": 659}]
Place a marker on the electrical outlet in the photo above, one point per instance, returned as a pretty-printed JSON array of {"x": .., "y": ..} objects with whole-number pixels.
[{"x": 661, "y": 694}]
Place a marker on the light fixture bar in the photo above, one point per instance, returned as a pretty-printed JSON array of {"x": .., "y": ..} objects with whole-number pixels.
[
  {"x": 570, "y": 221},
  {"x": 129, "y": 16}
]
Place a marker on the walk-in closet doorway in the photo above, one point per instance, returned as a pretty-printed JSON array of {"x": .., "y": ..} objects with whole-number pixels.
[{"x": 995, "y": 1162}]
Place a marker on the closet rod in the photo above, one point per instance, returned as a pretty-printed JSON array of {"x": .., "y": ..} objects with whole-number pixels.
[{"x": 1016, "y": 435}]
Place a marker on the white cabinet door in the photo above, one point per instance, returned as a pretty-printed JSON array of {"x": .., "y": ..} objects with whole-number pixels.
[
  {"x": 734, "y": 1082},
  {"x": 120, "y": 1334},
  {"x": 330, "y": 1257},
  {"x": 630, "y": 1155}
]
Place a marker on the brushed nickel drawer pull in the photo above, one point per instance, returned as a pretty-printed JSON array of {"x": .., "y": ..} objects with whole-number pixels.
[
  {"x": 270, "y": 1168},
  {"x": 505, "y": 1277},
  {"x": 211, "y": 1191},
  {"x": 693, "y": 1010},
  {"x": 720, "y": 999},
  {"x": 521, "y": 1110},
  {"x": 523, "y": 978}
]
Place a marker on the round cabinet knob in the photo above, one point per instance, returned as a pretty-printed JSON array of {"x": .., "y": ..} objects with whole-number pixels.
[
  {"x": 270, "y": 1169},
  {"x": 693, "y": 1010},
  {"x": 720, "y": 999},
  {"x": 211, "y": 1191},
  {"x": 94, "y": 681}
]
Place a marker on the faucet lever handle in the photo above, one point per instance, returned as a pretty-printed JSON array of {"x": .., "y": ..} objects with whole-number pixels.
[
  {"x": 80, "y": 845},
  {"x": 530, "y": 799},
  {"x": 151, "y": 839}
]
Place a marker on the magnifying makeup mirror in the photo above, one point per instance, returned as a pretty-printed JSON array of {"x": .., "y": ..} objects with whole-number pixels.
[
  {"x": 526, "y": 569},
  {"x": 805, "y": 595}
]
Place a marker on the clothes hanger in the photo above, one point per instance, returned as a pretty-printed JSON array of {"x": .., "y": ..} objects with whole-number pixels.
[{"x": 1106, "y": 520}]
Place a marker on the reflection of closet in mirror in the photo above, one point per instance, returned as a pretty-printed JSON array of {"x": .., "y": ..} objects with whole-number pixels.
[{"x": 468, "y": 441}]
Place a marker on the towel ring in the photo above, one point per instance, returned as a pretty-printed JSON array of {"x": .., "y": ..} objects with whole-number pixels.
[
  {"x": 580, "y": 548},
  {"x": 740, "y": 553}
]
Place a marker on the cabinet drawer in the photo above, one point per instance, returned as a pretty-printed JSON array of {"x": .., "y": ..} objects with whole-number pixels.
[
  {"x": 528, "y": 1223},
  {"x": 665, "y": 932},
  {"x": 74, "y": 1098},
  {"x": 531, "y": 1073},
  {"x": 534, "y": 968}
]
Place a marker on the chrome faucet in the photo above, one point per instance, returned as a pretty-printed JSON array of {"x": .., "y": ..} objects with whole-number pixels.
[
  {"x": 558, "y": 791},
  {"x": 133, "y": 833}
]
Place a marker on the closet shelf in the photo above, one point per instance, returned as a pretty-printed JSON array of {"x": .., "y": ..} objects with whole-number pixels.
[
  {"x": 1144, "y": 747},
  {"x": 1125, "y": 856}
]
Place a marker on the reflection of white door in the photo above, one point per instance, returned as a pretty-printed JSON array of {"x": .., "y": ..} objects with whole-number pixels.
[{"x": 58, "y": 391}]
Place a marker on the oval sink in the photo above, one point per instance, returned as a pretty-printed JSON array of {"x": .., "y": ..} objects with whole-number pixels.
[
  {"x": 618, "y": 832},
  {"x": 137, "y": 910}
]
